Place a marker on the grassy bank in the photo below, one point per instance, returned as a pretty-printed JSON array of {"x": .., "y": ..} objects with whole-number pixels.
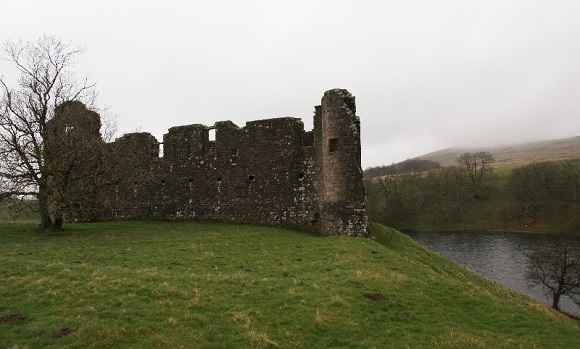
[{"x": 197, "y": 285}]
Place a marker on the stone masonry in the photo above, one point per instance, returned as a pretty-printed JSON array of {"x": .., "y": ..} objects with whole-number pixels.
[{"x": 270, "y": 172}]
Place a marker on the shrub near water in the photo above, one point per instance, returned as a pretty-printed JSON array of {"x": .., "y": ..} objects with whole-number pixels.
[{"x": 194, "y": 285}]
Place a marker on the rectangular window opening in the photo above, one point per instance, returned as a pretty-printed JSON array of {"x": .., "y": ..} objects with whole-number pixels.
[
  {"x": 211, "y": 134},
  {"x": 234, "y": 156},
  {"x": 332, "y": 145}
]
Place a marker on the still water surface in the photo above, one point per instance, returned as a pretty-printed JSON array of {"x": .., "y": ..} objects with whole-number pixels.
[{"x": 498, "y": 256}]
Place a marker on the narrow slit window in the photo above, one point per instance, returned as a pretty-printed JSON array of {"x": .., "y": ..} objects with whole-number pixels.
[
  {"x": 191, "y": 183},
  {"x": 332, "y": 145},
  {"x": 234, "y": 156}
]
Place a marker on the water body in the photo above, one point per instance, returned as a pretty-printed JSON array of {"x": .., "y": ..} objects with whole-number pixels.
[{"x": 498, "y": 256}]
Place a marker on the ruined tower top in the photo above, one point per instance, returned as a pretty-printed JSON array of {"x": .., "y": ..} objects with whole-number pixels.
[{"x": 340, "y": 174}]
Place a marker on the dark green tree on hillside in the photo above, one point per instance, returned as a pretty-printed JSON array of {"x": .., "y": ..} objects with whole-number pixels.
[
  {"x": 392, "y": 199},
  {"x": 571, "y": 170},
  {"x": 445, "y": 190},
  {"x": 407, "y": 166},
  {"x": 476, "y": 165},
  {"x": 530, "y": 184}
]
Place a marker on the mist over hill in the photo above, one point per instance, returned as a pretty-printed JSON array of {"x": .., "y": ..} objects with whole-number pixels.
[{"x": 557, "y": 149}]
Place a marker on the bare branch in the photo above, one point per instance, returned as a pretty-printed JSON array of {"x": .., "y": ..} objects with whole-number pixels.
[
  {"x": 46, "y": 81},
  {"x": 557, "y": 270}
]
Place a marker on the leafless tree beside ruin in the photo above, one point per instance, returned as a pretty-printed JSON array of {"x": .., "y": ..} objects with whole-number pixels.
[{"x": 46, "y": 81}]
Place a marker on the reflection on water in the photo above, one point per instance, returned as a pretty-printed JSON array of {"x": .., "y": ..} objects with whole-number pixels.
[{"x": 498, "y": 256}]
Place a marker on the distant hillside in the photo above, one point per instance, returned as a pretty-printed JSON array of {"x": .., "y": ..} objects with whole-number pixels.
[
  {"x": 409, "y": 165},
  {"x": 559, "y": 149}
]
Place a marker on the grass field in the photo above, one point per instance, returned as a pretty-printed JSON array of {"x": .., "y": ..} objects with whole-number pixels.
[{"x": 201, "y": 285}]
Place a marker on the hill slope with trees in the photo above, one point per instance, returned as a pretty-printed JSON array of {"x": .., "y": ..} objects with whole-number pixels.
[{"x": 531, "y": 196}]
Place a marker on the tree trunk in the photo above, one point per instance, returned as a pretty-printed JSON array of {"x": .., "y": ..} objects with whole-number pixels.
[
  {"x": 559, "y": 290},
  {"x": 57, "y": 221},
  {"x": 556, "y": 301},
  {"x": 45, "y": 221},
  {"x": 49, "y": 221}
]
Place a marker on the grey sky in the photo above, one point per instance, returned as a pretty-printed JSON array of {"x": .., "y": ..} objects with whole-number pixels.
[{"x": 426, "y": 74}]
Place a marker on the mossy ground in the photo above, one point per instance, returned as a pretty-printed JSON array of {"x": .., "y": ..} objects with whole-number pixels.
[{"x": 201, "y": 285}]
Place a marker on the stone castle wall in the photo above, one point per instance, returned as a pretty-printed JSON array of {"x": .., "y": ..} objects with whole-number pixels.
[{"x": 270, "y": 172}]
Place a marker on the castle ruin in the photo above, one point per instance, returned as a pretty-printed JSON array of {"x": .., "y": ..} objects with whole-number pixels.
[{"x": 270, "y": 172}]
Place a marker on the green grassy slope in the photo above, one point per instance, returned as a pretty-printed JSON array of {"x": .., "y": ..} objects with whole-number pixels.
[{"x": 197, "y": 285}]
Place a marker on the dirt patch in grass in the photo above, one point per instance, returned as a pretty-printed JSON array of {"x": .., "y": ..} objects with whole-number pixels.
[
  {"x": 63, "y": 332},
  {"x": 374, "y": 296},
  {"x": 11, "y": 319}
]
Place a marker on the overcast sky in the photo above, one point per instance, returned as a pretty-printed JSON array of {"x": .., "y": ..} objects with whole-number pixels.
[{"x": 426, "y": 74}]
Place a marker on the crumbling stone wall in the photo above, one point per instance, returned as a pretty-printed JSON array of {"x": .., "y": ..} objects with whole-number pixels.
[{"x": 269, "y": 172}]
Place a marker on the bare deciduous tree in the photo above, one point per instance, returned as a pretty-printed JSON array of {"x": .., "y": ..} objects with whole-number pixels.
[
  {"x": 443, "y": 186},
  {"x": 530, "y": 183},
  {"x": 476, "y": 165},
  {"x": 46, "y": 81},
  {"x": 557, "y": 271},
  {"x": 453, "y": 182}
]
